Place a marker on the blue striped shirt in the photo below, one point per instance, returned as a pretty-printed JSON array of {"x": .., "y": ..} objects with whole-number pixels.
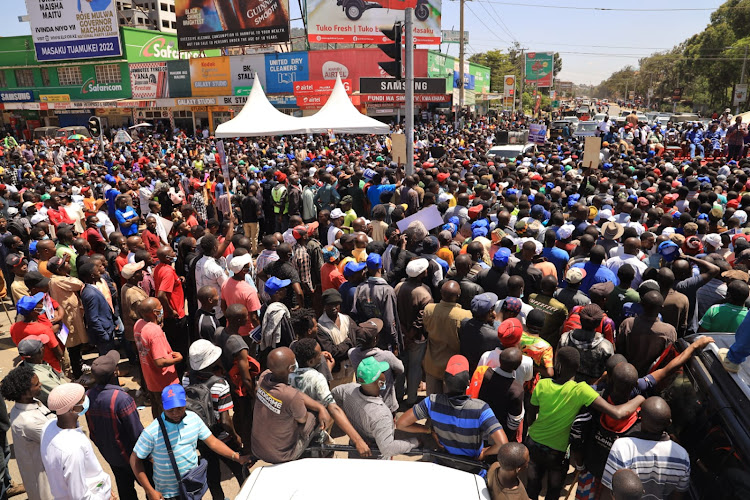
[
  {"x": 184, "y": 440},
  {"x": 460, "y": 422}
]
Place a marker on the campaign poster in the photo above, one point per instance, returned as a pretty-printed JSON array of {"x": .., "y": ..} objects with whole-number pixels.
[
  {"x": 210, "y": 76},
  {"x": 285, "y": 68},
  {"x": 74, "y": 29},
  {"x": 354, "y": 21},
  {"x": 537, "y": 133},
  {"x": 244, "y": 69},
  {"x": 149, "y": 80},
  {"x": 539, "y": 68},
  {"x": 209, "y": 24}
]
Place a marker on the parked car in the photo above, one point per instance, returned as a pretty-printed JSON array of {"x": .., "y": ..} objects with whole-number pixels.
[
  {"x": 40, "y": 132},
  {"x": 586, "y": 129},
  {"x": 66, "y": 132},
  {"x": 509, "y": 151},
  {"x": 302, "y": 479},
  {"x": 711, "y": 419},
  {"x": 685, "y": 117}
]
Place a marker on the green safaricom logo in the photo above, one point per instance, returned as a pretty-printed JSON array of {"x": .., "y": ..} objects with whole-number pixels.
[
  {"x": 90, "y": 86},
  {"x": 160, "y": 48}
]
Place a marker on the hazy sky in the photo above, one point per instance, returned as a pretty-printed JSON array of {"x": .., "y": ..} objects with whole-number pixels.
[{"x": 593, "y": 43}]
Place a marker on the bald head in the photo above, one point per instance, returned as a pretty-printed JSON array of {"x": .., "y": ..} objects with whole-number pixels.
[
  {"x": 656, "y": 415},
  {"x": 626, "y": 485},
  {"x": 632, "y": 246},
  {"x": 450, "y": 291},
  {"x": 463, "y": 264},
  {"x": 510, "y": 359},
  {"x": 150, "y": 309},
  {"x": 281, "y": 361}
]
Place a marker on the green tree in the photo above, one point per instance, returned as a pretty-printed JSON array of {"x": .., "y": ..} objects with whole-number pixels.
[{"x": 500, "y": 64}]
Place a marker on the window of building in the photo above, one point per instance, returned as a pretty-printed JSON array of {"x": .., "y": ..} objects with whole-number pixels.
[
  {"x": 3, "y": 81},
  {"x": 171, "y": 8},
  {"x": 163, "y": 7},
  {"x": 24, "y": 78},
  {"x": 107, "y": 73},
  {"x": 69, "y": 75},
  {"x": 174, "y": 25},
  {"x": 46, "y": 82},
  {"x": 165, "y": 24}
]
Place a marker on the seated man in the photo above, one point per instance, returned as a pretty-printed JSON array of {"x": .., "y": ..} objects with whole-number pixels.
[
  {"x": 369, "y": 414},
  {"x": 454, "y": 410},
  {"x": 282, "y": 425}
]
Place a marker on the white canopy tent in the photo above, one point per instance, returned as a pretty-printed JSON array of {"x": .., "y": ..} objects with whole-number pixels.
[{"x": 259, "y": 118}]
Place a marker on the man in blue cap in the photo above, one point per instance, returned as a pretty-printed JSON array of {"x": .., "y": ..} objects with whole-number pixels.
[
  {"x": 495, "y": 279},
  {"x": 27, "y": 325},
  {"x": 375, "y": 298},
  {"x": 276, "y": 328},
  {"x": 183, "y": 430},
  {"x": 477, "y": 335},
  {"x": 354, "y": 272}
]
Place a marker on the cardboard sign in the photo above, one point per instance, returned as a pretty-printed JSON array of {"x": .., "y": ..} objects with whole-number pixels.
[
  {"x": 429, "y": 216},
  {"x": 591, "y": 150},
  {"x": 398, "y": 148}
]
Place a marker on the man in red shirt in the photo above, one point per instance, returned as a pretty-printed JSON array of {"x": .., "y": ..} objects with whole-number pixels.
[
  {"x": 169, "y": 291},
  {"x": 154, "y": 352},
  {"x": 151, "y": 240},
  {"x": 94, "y": 236},
  {"x": 57, "y": 215},
  {"x": 238, "y": 291},
  {"x": 29, "y": 308},
  {"x": 330, "y": 276}
]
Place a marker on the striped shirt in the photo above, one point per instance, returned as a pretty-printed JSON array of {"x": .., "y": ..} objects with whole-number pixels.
[
  {"x": 663, "y": 466},
  {"x": 461, "y": 423},
  {"x": 184, "y": 440}
]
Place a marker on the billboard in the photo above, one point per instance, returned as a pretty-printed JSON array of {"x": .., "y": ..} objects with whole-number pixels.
[
  {"x": 149, "y": 80},
  {"x": 74, "y": 29},
  {"x": 210, "y": 76},
  {"x": 178, "y": 77},
  {"x": 149, "y": 46},
  {"x": 209, "y": 24},
  {"x": 539, "y": 68},
  {"x": 349, "y": 21},
  {"x": 243, "y": 70},
  {"x": 283, "y": 69}
]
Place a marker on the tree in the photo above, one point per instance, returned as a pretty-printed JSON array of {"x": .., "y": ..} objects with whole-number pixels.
[{"x": 500, "y": 64}]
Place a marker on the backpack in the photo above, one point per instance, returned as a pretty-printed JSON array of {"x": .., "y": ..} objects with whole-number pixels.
[{"x": 198, "y": 399}]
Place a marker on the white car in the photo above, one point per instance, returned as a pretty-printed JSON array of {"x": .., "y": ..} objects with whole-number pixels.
[
  {"x": 509, "y": 151},
  {"x": 339, "y": 479}
]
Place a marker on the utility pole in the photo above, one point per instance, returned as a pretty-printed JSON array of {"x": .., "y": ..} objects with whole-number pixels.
[
  {"x": 523, "y": 79},
  {"x": 742, "y": 79},
  {"x": 648, "y": 92},
  {"x": 409, "y": 92},
  {"x": 461, "y": 56}
]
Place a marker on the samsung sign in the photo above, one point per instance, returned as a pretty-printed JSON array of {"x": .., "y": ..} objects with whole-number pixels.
[{"x": 17, "y": 96}]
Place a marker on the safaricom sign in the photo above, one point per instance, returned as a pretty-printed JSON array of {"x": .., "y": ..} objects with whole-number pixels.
[
  {"x": 90, "y": 86},
  {"x": 159, "y": 48}
]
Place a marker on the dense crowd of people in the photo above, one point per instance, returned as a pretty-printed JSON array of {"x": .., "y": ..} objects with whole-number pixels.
[{"x": 264, "y": 289}]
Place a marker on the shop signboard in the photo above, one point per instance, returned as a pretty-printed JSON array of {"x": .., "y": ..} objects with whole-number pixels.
[
  {"x": 150, "y": 46},
  {"x": 353, "y": 21},
  {"x": 244, "y": 69},
  {"x": 178, "y": 77},
  {"x": 149, "y": 80},
  {"x": 226, "y": 23},
  {"x": 17, "y": 95},
  {"x": 320, "y": 87},
  {"x": 210, "y": 76},
  {"x": 539, "y": 68},
  {"x": 391, "y": 85},
  {"x": 283, "y": 69},
  {"x": 74, "y": 29},
  {"x": 398, "y": 98},
  {"x": 283, "y": 101}
]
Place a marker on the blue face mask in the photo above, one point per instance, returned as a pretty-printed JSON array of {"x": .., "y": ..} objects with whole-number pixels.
[{"x": 85, "y": 405}]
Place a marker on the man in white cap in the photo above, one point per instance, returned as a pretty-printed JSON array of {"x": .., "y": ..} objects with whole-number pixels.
[
  {"x": 206, "y": 371},
  {"x": 571, "y": 296},
  {"x": 236, "y": 290},
  {"x": 72, "y": 468},
  {"x": 337, "y": 220}
]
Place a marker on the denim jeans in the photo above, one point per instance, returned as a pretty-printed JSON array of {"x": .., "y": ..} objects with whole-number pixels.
[{"x": 693, "y": 147}]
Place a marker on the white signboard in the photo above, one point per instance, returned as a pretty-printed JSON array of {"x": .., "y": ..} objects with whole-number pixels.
[{"x": 74, "y": 29}]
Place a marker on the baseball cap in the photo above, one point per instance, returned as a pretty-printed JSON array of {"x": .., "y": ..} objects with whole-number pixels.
[
  {"x": 369, "y": 370},
  {"x": 237, "y": 264},
  {"x": 565, "y": 231},
  {"x": 129, "y": 270},
  {"x": 601, "y": 289},
  {"x": 575, "y": 275},
  {"x": 14, "y": 260},
  {"x": 500, "y": 259},
  {"x": 331, "y": 296},
  {"x": 299, "y": 232},
  {"x": 374, "y": 261},
  {"x": 173, "y": 396},
  {"x": 55, "y": 263},
  {"x": 27, "y": 303},
  {"x": 336, "y": 213},
  {"x": 203, "y": 353},
  {"x": 483, "y": 303},
  {"x": 372, "y": 326},
  {"x": 35, "y": 279},
  {"x": 668, "y": 250},
  {"x": 352, "y": 267},
  {"x": 509, "y": 332},
  {"x": 511, "y": 304},
  {"x": 457, "y": 364},
  {"x": 32, "y": 345},
  {"x": 64, "y": 397},
  {"x": 274, "y": 284},
  {"x": 416, "y": 267},
  {"x": 105, "y": 365}
]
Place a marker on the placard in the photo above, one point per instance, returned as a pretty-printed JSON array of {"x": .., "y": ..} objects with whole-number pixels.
[
  {"x": 398, "y": 148},
  {"x": 591, "y": 150},
  {"x": 429, "y": 216}
]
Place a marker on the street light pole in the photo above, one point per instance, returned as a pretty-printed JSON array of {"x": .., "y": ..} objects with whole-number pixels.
[
  {"x": 409, "y": 92},
  {"x": 461, "y": 56}
]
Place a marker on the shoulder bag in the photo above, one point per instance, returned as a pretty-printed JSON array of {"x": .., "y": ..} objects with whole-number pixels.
[{"x": 194, "y": 484}]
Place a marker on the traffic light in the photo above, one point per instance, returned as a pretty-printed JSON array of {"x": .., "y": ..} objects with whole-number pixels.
[
  {"x": 95, "y": 126},
  {"x": 392, "y": 50}
]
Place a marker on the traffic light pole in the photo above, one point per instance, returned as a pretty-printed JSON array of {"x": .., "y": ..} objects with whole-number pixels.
[
  {"x": 461, "y": 56},
  {"x": 409, "y": 90}
]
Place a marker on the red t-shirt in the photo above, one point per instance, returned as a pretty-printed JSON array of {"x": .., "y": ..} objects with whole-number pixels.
[
  {"x": 331, "y": 277},
  {"x": 152, "y": 344},
  {"x": 240, "y": 292},
  {"x": 94, "y": 237},
  {"x": 151, "y": 241},
  {"x": 22, "y": 329},
  {"x": 166, "y": 280}
]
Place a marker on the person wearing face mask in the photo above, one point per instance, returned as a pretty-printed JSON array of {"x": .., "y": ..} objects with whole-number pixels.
[
  {"x": 112, "y": 408},
  {"x": 154, "y": 351},
  {"x": 68, "y": 457},
  {"x": 183, "y": 430},
  {"x": 283, "y": 425}
]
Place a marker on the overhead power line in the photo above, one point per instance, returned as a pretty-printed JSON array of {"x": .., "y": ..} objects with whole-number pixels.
[{"x": 605, "y": 9}]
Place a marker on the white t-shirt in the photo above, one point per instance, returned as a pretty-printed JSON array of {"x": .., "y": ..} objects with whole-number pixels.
[
  {"x": 524, "y": 373},
  {"x": 208, "y": 272}
]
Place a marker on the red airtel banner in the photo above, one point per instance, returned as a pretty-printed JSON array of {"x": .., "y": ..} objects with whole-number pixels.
[
  {"x": 319, "y": 87},
  {"x": 315, "y": 101},
  {"x": 353, "y": 64}
]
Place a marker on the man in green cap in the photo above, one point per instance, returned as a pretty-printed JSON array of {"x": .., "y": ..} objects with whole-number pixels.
[{"x": 366, "y": 410}]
